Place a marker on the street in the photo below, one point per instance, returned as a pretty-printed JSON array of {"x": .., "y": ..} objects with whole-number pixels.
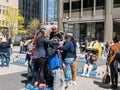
[{"x": 14, "y": 77}]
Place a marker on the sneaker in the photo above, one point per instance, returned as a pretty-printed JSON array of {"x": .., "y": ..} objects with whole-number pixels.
[
  {"x": 74, "y": 83},
  {"x": 87, "y": 75},
  {"x": 42, "y": 86},
  {"x": 35, "y": 88},
  {"x": 29, "y": 86},
  {"x": 83, "y": 74}
]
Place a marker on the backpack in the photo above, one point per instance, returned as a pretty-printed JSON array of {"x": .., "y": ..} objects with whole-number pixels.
[{"x": 54, "y": 61}]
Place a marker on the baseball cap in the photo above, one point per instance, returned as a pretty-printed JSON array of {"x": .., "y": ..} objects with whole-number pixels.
[{"x": 69, "y": 34}]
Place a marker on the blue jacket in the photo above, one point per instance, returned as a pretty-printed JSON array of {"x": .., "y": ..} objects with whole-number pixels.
[
  {"x": 55, "y": 61},
  {"x": 41, "y": 47},
  {"x": 68, "y": 49},
  {"x": 4, "y": 47}
]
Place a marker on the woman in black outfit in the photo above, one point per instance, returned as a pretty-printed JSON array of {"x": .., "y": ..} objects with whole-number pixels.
[{"x": 39, "y": 56}]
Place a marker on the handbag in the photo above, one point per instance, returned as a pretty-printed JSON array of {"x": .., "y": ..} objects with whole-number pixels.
[{"x": 106, "y": 77}]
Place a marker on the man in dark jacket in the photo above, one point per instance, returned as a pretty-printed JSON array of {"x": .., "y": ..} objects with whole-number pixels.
[
  {"x": 57, "y": 34},
  {"x": 69, "y": 55},
  {"x": 4, "y": 51}
]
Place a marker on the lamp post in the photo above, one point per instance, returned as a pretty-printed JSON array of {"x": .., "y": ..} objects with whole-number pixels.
[{"x": 66, "y": 24}]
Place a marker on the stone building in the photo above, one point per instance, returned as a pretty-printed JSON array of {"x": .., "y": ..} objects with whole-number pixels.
[{"x": 90, "y": 18}]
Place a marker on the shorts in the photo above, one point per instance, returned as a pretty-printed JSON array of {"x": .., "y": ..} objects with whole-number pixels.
[{"x": 94, "y": 66}]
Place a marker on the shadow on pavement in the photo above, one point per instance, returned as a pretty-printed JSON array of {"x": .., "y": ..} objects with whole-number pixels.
[
  {"x": 24, "y": 81},
  {"x": 102, "y": 85},
  {"x": 105, "y": 86}
]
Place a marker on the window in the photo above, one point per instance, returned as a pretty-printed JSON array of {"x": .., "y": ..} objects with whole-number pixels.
[
  {"x": 88, "y": 3},
  {"x": 100, "y": 2},
  {"x": 83, "y": 31},
  {"x": 76, "y": 5},
  {"x": 66, "y": 6},
  {"x": 99, "y": 30},
  {"x": 116, "y": 3}
]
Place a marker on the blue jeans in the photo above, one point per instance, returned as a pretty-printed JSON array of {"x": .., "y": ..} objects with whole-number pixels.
[
  {"x": 5, "y": 56},
  {"x": 68, "y": 62}
]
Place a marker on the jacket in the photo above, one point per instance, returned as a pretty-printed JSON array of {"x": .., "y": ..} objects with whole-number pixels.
[
  {"x": 68, "y": 50},
  {"x": 40, "y": 49},
  {"x": 112, "y": 52},
  {"x": 53, "y": 34},
  {"x": 4, "y": 47}
]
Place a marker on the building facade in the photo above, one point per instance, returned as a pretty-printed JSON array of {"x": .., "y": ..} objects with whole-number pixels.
[
  {"x": 90, "y": 18},
  {"x": 30, "y": 9},
  {"x": 50, "y": 10},
  {"x": 55, "y": 10}
]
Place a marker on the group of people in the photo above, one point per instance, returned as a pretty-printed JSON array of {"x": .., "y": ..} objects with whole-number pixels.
[
  {"x": 112, "y": 61},
  {"x": 55, "y": 55}
]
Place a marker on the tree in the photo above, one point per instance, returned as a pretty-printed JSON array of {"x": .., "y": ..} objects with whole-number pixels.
[
  {"x": 33, "y": 26},
  {"x": 11, "y": 18}
]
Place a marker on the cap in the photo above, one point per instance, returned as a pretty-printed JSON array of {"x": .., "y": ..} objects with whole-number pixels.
[{"x": 69, "y": 34}]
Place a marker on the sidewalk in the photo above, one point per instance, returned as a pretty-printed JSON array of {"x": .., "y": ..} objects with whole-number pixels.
[
  {"x": 12, "y": 69},
  {"x": 90, "y": 84}
]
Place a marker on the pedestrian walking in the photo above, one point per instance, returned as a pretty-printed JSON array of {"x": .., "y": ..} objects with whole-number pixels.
[
  {"x": 21, "y": 46},
  {"x": 4, "y": 51},
  {"x": 113, "y": 63}
]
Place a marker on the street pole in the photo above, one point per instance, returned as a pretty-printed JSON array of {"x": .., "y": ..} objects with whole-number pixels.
[
  {"x": 60, "y": 15},
  {"x": 108, "y": 31}
]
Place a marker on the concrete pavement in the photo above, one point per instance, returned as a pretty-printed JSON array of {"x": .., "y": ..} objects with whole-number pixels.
[
  {"x": 11, "y": 69},
  {"x": 16, "y": 80},
  {"x": 14, "y": 77},
  {"x": 90, "y": 84}
]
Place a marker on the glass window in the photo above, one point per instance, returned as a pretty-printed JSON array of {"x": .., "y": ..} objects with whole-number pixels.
[
  {"x": 66, "y": 6},
  {"x": 88, "y": 3},
  {"x": 76, "y": 5},
  {"x": 99, "y": 33},
  {"x": 83, "y": 31},
  {"x": 116, "y": 1},
  {"x": 100, "y": 2}
]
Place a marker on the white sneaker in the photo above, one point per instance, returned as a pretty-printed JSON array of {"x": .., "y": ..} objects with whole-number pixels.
[
  {"x": 83, "y": 74},
  {"x": 74, "y": 83},
  {"x": 87, "y": 75}
]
